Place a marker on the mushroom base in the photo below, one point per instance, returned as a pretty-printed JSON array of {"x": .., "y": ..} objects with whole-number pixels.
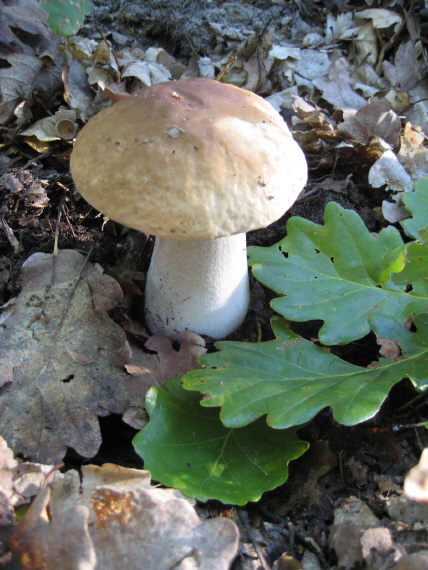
[{"x": 200, "y": 286}]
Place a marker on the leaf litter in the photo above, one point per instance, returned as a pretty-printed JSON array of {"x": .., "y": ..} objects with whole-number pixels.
[
  {"x": 111, "y": 516},
  {"x": 64, "y": 360}
]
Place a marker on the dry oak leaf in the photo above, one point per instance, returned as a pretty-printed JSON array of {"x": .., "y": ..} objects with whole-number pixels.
[
  {"x": 40, "y": 544},
  {"x": 150, "y": 529},
  {"x": 167, "y": 363},
  {"x": 149, "y": 369},
  {"x": 62, "y": 358},
  {"x": 374, "y": 119},
  {"x": 16, "y": 80}
]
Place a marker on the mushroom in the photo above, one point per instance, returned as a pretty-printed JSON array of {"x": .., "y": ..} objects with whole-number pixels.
[{"x": 196, "y": 163}]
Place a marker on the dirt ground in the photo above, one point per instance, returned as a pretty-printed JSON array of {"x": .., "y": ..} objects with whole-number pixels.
[{"x": 345, "y": 467}]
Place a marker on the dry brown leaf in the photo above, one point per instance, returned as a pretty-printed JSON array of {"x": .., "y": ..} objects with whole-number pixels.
[
  {"x": 77, "y": 92},
  {"x": 113, "y": 512},
  {"x": 24, "y": 34},
  {"x": 39, "y": 544},
  {"x": 154, "y": 369},
  {"x": 352, "y": 519},
  {"x": 28, "y": 17},
  {"x": 62, "y": 358},
  {"x": 336, "y": 87},
  {"x": 150, "y": 529},
  {"x": 61, "y": 125},
  {"x": 71, "y": 489},
  {"x": 404, "y": 73},
  {"x": 374, "y": 119},
  {"x": 16, "y": 83}
]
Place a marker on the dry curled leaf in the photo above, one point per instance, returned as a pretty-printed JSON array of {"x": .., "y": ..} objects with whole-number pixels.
[
  {"x": 16, "y": 80},
  {"x": 168, "y": 362},
  {"x": 62, "y": 358},
  {"x": 149, "y": 369},
  {"x": 37, "y": 543},
  {"x": 151, "y": 529},
  {"x": 374, "y": 119},
  {"x": 110, "y": 517}
]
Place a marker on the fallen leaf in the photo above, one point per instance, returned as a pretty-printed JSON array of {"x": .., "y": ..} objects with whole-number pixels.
[
  {"x": 387, "y": 171},
  {"x": 62, "y": 358},
  {"x": 168, "y": 362},
  {"x": 37, "y": 543},
  {"x": 150, "y": 529},
  {"x": 16, "y": 81},
  {"x": 23, "y": 29},
  {"x": 389, "y": 348},
  {"x": 352, "y": 519},
  {"x": 381, "y": 18},
  {"x": 336, "y": 87},
  {"x": 404, "y": 73},
  {"x": 377, "y": 545},
  {"x": 374, "y": 119},
  {"x": 112, "y": 515},
  {"x": 149, "y": 369},
  {"x": 54, "y": 127},
  {"x": 77, "y": 92},
  {"x": 147, "y": 72}
]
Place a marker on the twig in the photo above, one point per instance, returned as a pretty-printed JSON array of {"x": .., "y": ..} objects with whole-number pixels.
[
  {"x": 183, "y": 30},
  {"x": 10, "y": 235},
  {"x": 58, "y": 219},
  {"x": 243, "y": 517}
]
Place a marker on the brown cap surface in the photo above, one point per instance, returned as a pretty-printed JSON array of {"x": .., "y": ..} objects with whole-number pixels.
[{"x": 189, "y": 159}]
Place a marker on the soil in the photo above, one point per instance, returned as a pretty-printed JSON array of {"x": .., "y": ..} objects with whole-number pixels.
[{"x": 343, "y": 462}]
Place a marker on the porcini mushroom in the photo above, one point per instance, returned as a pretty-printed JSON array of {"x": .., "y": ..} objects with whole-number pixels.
[{"x": 196, "y": 163}]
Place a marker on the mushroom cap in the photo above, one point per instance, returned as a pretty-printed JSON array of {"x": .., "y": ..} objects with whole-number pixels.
[{"x": 191, "y": 159}]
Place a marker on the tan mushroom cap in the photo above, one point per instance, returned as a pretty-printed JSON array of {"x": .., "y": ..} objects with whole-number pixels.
[{"x": 191, "y": 159}]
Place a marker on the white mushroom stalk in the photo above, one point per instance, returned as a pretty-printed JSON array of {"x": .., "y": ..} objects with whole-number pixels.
[
  {"x": 196, "y": 163},
  {"x": 197, "y": 285}
]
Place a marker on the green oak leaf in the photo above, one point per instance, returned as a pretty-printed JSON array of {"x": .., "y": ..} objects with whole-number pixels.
[
  {"x": 186, "y": 446},
  {"x": 415, "y": 270},
  {"x": 338, "y": 273},
  {"x": 65, "y": 17},
  {"x": 291, "y": 379},
  {"x": 417, "y": 203}
]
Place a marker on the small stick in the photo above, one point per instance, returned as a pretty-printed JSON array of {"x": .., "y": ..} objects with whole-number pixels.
[
  {"x": 243, "y": 517},
  {"x": 10, "y": 235},
  {"x": 58, "y": 219}
]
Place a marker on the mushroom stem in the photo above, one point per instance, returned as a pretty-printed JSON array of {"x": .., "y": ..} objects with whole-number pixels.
[{"x": 200, "y": 286}]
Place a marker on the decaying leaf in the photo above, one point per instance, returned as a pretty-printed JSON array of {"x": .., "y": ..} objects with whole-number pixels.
[
  {"x": 374, "y": 119},
  {"x": 149, "y": 369},
  {"x": 150, "y": 529},
  {"x": 405, "y": 71},
  {"x": 110, "y": 517},
  {"x": 387, "y": 171},
  {"x": 352, "y": 519},
  {"x": 336, "y": 87},
  {"x": 16, "y": 82},
  {"x": 59, "y": 126},
  {"x": 23, "y": 28},
  {"x": 62, "y": 358},
  {"x": 156, "y": 368},
  {"x": 37, "y": 543},
  {"x": 77, "y": 92}
]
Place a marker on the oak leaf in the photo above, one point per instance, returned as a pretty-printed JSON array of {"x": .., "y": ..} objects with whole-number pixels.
[{"x": 62, "y": 358}]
